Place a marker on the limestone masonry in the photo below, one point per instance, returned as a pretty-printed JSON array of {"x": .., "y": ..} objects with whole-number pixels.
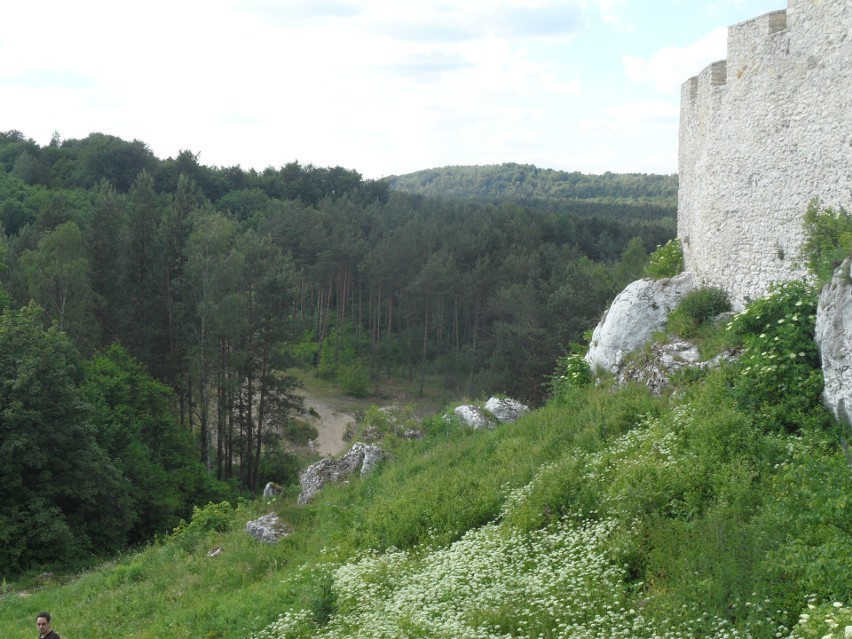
[{"x": 761, "y": 134}]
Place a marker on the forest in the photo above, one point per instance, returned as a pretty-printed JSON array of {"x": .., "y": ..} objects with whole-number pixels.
[{"x": 155, "y": 308}]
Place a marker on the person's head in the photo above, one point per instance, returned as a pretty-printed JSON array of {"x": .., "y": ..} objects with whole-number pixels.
[{"x": 43, "y": 623}]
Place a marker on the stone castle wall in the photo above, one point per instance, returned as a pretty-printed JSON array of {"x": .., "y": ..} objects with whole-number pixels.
[{"x": 761, "y": 134}]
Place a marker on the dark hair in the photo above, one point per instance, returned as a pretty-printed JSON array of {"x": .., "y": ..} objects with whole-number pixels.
[{"x": 46, "y": 615}]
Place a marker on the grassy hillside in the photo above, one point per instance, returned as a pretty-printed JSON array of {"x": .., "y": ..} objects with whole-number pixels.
[{"x": 719, "y": 510}]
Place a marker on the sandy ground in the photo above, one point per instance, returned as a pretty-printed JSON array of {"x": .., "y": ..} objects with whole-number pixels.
[
  {"x": 330, "y": 423},
  {"x": 336, "y": 411}
]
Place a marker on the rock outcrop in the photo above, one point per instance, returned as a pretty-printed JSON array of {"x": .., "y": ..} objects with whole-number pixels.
[
  {"x": 365, "y": 457},
  {"x": 834, "y": 336},
  {"x": 269, "y": 529},
  {"x": 506, "y": 410},
  {"x": 638, "y": 312},
  {"x": 474, "y": 417},
  {"x": 272, "y": 490},
  {"x": 656, "y": 367},
  {"x": 496, "y": 411}
]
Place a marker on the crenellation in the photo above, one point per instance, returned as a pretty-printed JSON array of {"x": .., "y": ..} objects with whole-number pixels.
[
  {"x": 718, "y": 73},
  {"x": 761, "y": 134}
]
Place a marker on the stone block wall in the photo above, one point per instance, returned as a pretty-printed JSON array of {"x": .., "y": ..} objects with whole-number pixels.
[{"x": 761, "y": 134}]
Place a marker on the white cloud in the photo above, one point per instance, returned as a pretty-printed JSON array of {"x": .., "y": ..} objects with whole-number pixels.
[
  {"x": 633, "y": 118},
  {"x": 614, "y": 13},
  {"x": 380, "y": 86},
  {"x": 669, "y": 67}
]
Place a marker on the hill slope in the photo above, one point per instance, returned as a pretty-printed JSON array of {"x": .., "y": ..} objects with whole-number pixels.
[
  {"x": 722, "y": 510},
  {"x": 527, "y": 183}
]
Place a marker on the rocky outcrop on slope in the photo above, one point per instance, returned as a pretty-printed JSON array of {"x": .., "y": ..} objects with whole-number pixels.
[
  {"x": 365, "y": 457},
  {"x": 269, "y": 529},
  {"x": 638, "y": 312},
  {"x": 496, "y": 411},
  {"x": 834, "y": 336},
  {"x": 658, "y": 364}
]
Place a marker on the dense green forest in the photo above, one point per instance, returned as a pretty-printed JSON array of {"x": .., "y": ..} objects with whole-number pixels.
[
  {"x": 620, "y": 195},
  {"x": 128, "y": 276}
]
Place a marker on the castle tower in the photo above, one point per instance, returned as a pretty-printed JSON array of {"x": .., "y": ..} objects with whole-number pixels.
[{"x": 761, "y": 134}]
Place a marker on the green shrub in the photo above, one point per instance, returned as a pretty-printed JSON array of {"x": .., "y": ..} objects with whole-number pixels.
[
  {"x": 393, "y": 420},
  {"x": 696, "y": 309},
  {"x": 778, "y": 378},
  {"x": 828, "y": 240},
  {"x": 212, "y": 518},
  {"x": 666, "y": 260},
  {"x": 355, "y": 379},
  {"x": 300, "y": 432},
  {"x": 812, "y": 503},
  {"x": 572, "y": 371}
]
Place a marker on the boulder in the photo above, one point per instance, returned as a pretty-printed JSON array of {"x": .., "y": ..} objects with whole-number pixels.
[
  {"x": 834, "y": 336},
  {"x": 272, "y": 490},
  {"x": 361, "y": 456},
  {"x": 474, "y": 417},
  {"x": 506, "y": 410},
  {"x": 638, "y": 312},
  {"x": 268, "y": 529}
]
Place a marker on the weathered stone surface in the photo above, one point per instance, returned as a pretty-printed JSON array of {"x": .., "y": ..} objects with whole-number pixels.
[
  {"x": 272, "y": 490},
  {"x": 269, "y": 529},
  {"x": 373, "y": 456},
  {"x": 834, "y": 337},
  {"x": 474, "y": 417},
  {"x": 506, "y": 410},
  {"x": 361, "y": 456},
  {"x": 638, "y": 312},
  {"x": 756, "y": 145},
  {"x": 656, "y": 367}
]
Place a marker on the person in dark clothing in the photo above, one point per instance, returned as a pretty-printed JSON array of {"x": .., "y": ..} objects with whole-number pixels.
[{"x": 44, "y": 629}]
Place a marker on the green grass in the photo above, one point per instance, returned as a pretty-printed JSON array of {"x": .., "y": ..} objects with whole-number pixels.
[{"x": 603, "y": 514}]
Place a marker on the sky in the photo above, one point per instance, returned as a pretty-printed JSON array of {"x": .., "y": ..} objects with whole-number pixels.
[{"x": 384, "y": 87}]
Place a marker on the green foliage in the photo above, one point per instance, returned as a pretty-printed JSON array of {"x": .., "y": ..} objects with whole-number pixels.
[
  {"x": 824, "y": 620},
  {"x": 524, "y": 183},
  {"x": 778, "y": 377},
  {"x": 387, "y": 420},
  {"x": 277, "y": 464},
  {"x": 666, "y": 260},
  {"x": 207, "y": 520},
  {"x": 632, "y": 263},
  {"x": 572, "y": 371},
  {"x": 813, "y": 497},
  {"x": 134, "y": 424},
  {"x": 299, "y": 432},
  {"x": 696, "y": 309},
  {"x": 355, "y": 378},
  {"x": 828, "y": 239},
  {"x": 61, "y": 499}
]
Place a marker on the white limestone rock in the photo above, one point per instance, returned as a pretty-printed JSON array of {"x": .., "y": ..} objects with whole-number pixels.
[
  {"x": 506, "y": 410},
  {"x": 834, "y": 336},
  {"x": 272, "y": 490},
  {"x": 638, "y": 312},
  {"x": 662, "y": 361},
  {"x": 365, "y": 457},
  {"x": 656, "y": 367},
  {"x": 474, "y": 417},
  {"x": 269, "y": 529}
]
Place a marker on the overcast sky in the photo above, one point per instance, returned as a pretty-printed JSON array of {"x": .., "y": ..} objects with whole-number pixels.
[{"x": 380, "y": 86}]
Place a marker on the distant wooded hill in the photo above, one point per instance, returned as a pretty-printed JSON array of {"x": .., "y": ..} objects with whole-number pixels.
[{"x": 646, "y": 195}]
